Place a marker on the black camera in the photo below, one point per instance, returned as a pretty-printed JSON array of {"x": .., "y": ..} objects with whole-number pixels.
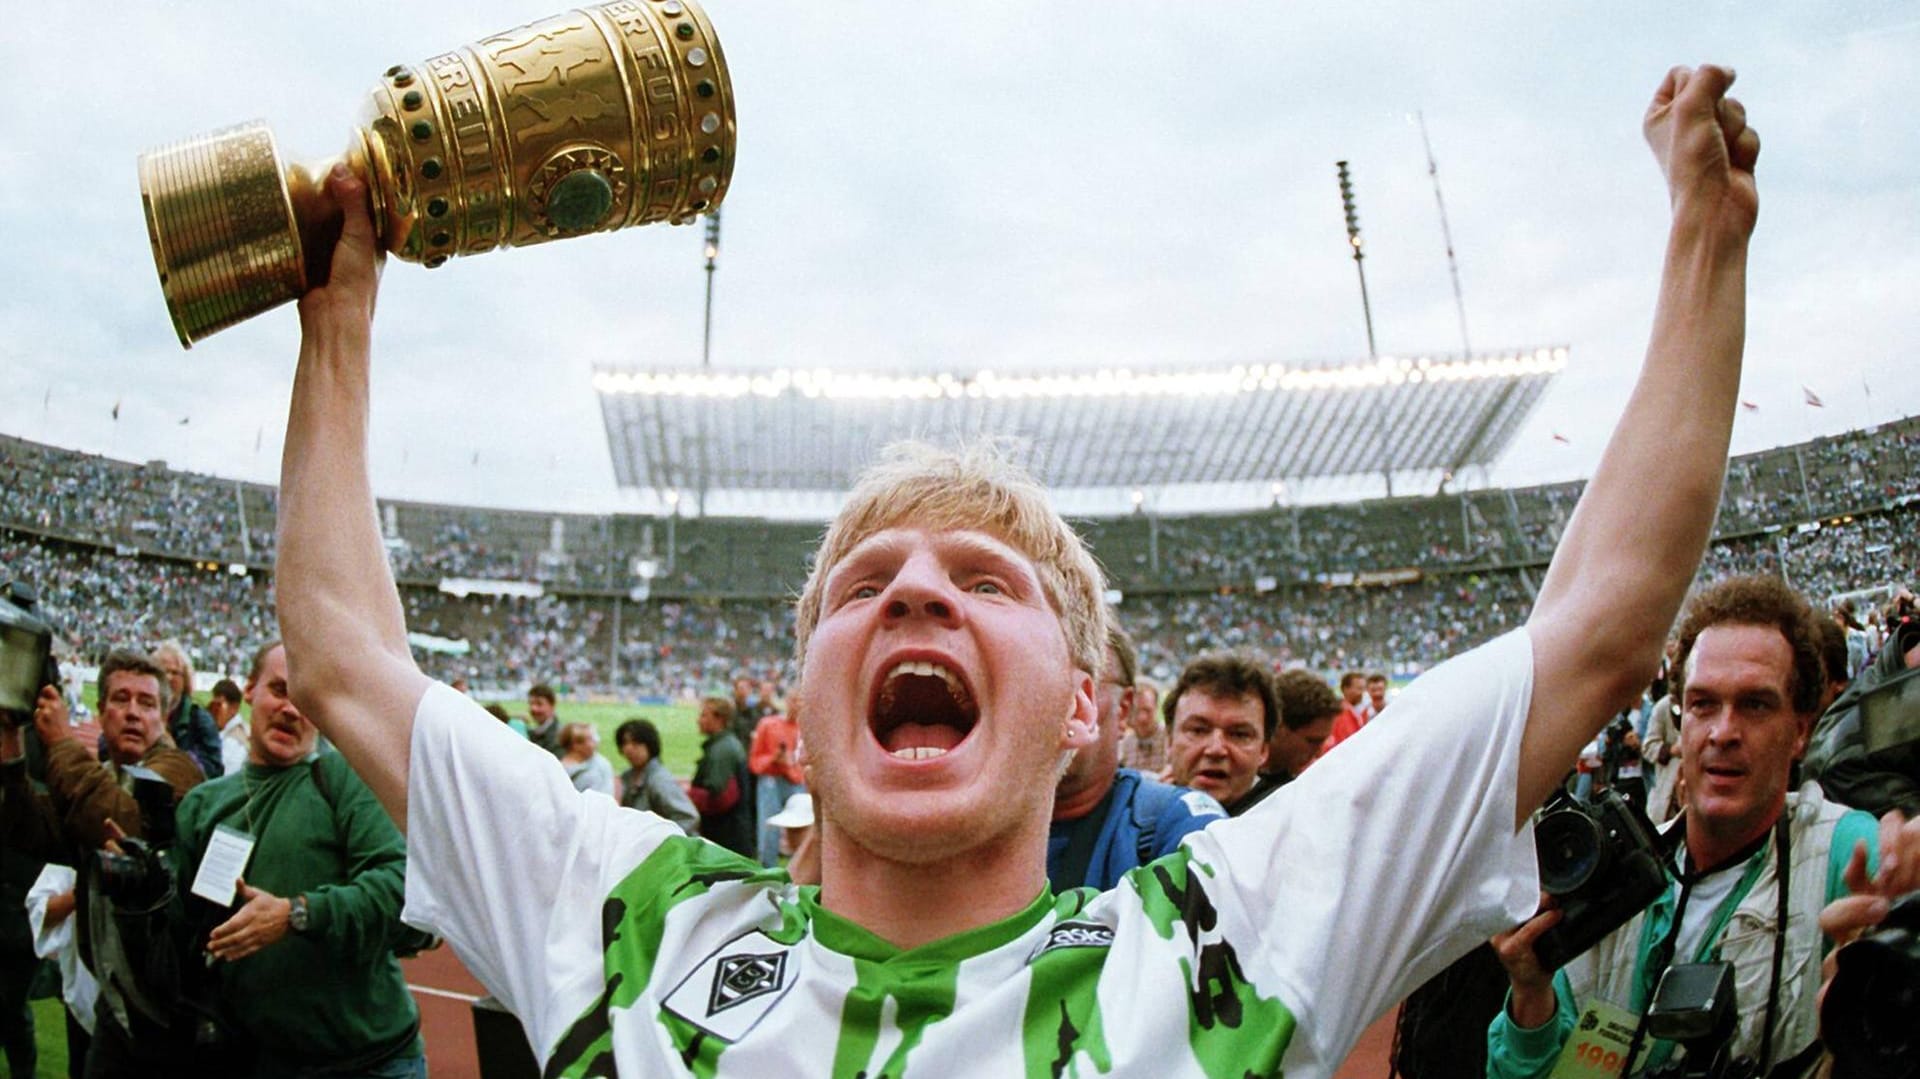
[
  {"x": 1868, "y": 1020},
  {"x": 1694, "y": 1005},
  {"x": 26, "y": 653},
  {"x": 140, "y": 877},
  {"x": 1602, "y": 863}
]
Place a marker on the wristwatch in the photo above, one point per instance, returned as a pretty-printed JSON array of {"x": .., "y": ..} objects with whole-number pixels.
[{"x": 297, "y": 914}]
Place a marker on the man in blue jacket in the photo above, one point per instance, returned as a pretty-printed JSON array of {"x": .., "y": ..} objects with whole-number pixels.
[{"x": 1108, "y": 819}]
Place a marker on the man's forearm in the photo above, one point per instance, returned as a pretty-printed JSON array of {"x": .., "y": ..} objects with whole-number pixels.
[
  {"x": 348, "y": 664},
  {"x": 1635, "y": 540}
]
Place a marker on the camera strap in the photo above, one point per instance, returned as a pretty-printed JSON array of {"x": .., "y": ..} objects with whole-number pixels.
[
  {"x": 1655, "y": 960},
  {"x": 1783, "y": 867}
]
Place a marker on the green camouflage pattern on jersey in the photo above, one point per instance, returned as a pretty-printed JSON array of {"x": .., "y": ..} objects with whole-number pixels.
[{"x": 1233, "y": 1031}]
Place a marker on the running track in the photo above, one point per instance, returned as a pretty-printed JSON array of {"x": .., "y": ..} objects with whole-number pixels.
[{"x": 445, "y": 992}]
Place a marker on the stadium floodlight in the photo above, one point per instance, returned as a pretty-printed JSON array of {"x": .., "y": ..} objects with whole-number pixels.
[{"x": 1105, "y": 383}]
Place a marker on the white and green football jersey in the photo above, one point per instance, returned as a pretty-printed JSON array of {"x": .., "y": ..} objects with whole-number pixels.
[{"x": 1266, "y": 944}]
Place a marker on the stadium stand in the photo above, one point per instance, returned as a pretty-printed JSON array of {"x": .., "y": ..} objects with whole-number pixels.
[{"x": 671, "y": 607}]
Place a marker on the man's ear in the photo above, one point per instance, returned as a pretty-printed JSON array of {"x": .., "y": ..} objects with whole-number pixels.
[
  {"x": 1804, "y": 724},
  {"x": 1082, "y": 726}
]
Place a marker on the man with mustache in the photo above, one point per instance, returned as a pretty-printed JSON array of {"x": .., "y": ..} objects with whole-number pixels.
[
  {"x": 1747, "y": 848},
  {"x": 304, "y": 965}
]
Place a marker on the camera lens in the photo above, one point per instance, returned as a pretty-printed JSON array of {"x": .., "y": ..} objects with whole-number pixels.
[
  {"x": 1870, "y": 1008},
  {"x": 1568, "y": 844}
]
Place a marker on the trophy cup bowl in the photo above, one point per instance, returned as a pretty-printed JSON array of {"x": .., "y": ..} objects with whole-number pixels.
[{"x": 594, "y": 120}]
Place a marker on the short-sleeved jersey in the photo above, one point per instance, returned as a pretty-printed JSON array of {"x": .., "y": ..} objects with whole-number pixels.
[{"x": 1266, "y": 942}]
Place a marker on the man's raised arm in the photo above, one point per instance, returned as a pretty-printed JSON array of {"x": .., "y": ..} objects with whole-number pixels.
[
  {"x": 348, "y": 664},
  {"x": 1635, "y": 540}
]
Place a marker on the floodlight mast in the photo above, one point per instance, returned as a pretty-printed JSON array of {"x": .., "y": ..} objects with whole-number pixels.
[
  {"x": 1359, "y": 254},
  {"x": 1352, "y": 209},
  {"x": 713, "y": 255},
  {"x": 706, "y": 350}
]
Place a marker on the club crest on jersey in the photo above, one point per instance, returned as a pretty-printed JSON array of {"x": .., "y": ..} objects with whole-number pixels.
[
  {"x": 736, "y": 985},
  {"x": 1074, "y": 935},
  {"x": 740, "y": 978}
]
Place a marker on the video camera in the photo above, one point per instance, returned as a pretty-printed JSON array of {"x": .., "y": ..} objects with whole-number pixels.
[
  {"x": 1869, "y": 1015},
  {"x": 1602, "y": 862},
  {"x": 1890, "y": 714},
  {"x": 140, "y": 877},
  {"x": 26, "y": 653}
]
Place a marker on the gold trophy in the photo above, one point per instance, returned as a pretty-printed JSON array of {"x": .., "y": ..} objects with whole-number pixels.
[{"x": 590, "y": 121}]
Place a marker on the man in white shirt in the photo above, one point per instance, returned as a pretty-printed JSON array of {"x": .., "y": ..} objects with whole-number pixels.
[
  {"x": 948, "y": 643},
  {"x": 235, "y": 732}
]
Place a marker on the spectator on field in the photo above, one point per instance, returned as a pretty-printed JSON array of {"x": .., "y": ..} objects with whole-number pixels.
[
  {"x": 514, "y": 723},
  {"x": 1307, "y": 710},
  {"x": 1376, "y": 701},
  {"x": 749, "y": 707},
  {"x": 720, "y": 780},
  {"x": 646, "y": 784},
  {"x": 189, "y": 725},
  {"x": 305, "y": 975},
  {"x": 1108, "y": 819},
  {"x": 543, "y": 727},
  {"x": 1353, "y": 696},
  {"x": 224, "y": 706},
  {"x": 1834, "y": 659},
  {"x": 1143, "y": 744},
  {"x": 774, "y": 760},
  {"x": 1220, "y": 715},
  {"x": 580, "y": 753}
]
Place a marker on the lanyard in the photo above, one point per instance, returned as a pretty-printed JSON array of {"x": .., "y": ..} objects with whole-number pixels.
[{"x": 1657, "y": 941}]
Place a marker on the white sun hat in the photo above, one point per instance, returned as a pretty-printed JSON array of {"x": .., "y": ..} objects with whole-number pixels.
[{"x": 798, "y": 813}]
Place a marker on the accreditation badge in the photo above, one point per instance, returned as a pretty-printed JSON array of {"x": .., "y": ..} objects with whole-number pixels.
[
  {"x": 1598, "y": 1046},
  {"x": 221, "y": 867}
]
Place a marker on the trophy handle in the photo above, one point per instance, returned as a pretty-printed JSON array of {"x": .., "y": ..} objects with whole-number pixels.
[{"x": 315, "y": 219}]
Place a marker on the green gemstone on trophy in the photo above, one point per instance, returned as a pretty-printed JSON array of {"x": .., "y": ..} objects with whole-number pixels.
[{"x": 579, "y": 200}]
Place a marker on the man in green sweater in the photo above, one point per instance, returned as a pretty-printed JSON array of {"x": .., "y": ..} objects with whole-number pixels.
[{"x": 305, "y": 974}]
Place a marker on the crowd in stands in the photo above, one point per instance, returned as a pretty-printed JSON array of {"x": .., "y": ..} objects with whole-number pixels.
[
  {"x": 61, "y": 494},
  {"x": 1280, "y": 581}
]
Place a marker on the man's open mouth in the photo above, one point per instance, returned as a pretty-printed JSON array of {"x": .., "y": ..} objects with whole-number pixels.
[{"x": 921, "y": 711}]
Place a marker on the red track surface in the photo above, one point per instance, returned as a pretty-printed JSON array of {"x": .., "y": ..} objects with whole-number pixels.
[{"x": 447, "y": 1022}]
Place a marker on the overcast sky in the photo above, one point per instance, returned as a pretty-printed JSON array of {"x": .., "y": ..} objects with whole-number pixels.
[{"x": 955, "y": 186}]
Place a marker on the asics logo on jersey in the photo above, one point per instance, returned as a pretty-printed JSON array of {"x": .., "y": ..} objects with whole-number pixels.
[{"x": 1076, "y": 935}]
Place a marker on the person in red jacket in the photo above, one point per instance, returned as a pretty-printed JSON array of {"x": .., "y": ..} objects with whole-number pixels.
[{"x": 774, "y": 760}]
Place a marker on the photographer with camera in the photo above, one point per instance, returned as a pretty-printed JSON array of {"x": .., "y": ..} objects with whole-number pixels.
[
  {"x": 291, "y": 874},
  {"x": 87, "y": 804},
  {"x": 1752, "y": 863}
]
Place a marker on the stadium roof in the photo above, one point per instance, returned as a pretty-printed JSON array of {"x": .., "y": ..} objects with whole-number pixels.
[{"x": 778, "y": 430}]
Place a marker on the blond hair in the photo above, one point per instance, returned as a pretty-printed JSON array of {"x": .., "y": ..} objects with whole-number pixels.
[{"x": 976, "y": 488}]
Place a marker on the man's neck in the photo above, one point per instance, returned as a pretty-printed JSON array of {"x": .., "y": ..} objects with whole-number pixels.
[
  {"x": 1709, "y": 847},
  {"x": 908, "y": 905},
  {"x": 1082, "y": 799}
]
